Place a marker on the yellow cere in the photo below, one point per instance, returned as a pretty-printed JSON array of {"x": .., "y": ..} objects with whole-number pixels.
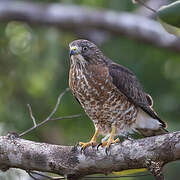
[{"x": 73, "y": 48}]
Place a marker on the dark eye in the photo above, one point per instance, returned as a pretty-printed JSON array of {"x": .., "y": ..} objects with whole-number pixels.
[{"x": 85, "y": 48}]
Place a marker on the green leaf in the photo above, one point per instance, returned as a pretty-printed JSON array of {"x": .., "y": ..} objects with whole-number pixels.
[
  {"x": 129, "y": 171},
  {"x": 169, "y": 28},
  {"x": 170, "y": 14},
  {"x": 169, "y": 17}
]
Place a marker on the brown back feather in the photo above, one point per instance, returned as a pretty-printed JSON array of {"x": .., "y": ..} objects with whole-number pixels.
[{"x": 127, "y": 83}]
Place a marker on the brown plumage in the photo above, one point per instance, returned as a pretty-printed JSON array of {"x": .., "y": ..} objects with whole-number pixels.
[{"x": 110, "y": 94}]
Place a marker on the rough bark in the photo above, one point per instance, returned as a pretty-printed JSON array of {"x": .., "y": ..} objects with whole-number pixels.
[
  {"x": 69, "y": 161},
  {"x": 76, "y": 18}
]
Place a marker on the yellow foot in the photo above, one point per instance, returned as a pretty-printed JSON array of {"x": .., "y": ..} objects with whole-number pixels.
[
  {"x": 85, "y": 145},
  {"x": 109, "y": 142},
  {"x": 92, "y": 142}
]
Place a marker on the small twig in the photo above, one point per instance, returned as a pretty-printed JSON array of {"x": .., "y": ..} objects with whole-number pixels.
[
  {"x": 31, "y": 114},
  {"x": 48, "y": 118},
  {"x": 145, "y": 5},
  {"x": 31, "y": 175},
  {"x": 66, "y": 117},
  {"x": 46, "y": 176}
]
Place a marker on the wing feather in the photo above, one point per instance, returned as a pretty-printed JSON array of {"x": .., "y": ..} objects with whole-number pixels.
[{"x": 127, "y": 83}]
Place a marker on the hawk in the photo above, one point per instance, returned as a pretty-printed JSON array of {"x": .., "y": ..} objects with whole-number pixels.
[{"x": 111, "y": 96}]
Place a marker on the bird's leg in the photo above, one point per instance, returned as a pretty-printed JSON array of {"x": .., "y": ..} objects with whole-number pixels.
[
  {"x": 111, "y": 139},
  {"x": 92, "y": 142}
]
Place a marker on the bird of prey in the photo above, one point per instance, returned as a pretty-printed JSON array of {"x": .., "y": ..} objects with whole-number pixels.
[{"x": 111, "y": 96}]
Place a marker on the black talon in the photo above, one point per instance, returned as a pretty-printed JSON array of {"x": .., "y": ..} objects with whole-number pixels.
[
  {"x": 82, "y": 150},
  {"x": 98, "y": 146},
  {"x": 108, "y": 150}
]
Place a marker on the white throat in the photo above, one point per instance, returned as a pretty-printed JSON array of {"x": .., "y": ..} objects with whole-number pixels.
[{"x": 78, "y": 59}]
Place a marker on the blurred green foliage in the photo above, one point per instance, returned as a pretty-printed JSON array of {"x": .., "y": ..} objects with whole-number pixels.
[{"x": 34, "y": 66}]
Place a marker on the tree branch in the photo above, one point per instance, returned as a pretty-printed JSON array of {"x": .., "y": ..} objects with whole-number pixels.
[
  {"x": 70, "y": 162},
  {"x": 49, "y": 118},
  {"x": 75, "y": 18}
]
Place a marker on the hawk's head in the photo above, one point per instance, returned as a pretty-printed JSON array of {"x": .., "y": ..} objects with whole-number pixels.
[{"x": 85, "y": 52}]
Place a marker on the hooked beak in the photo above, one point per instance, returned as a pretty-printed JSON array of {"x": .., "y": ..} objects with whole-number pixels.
[{"x": 73, "y": 50}]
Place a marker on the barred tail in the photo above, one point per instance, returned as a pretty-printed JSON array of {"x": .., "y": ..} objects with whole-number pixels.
[{"x": 151, "y": 132}]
